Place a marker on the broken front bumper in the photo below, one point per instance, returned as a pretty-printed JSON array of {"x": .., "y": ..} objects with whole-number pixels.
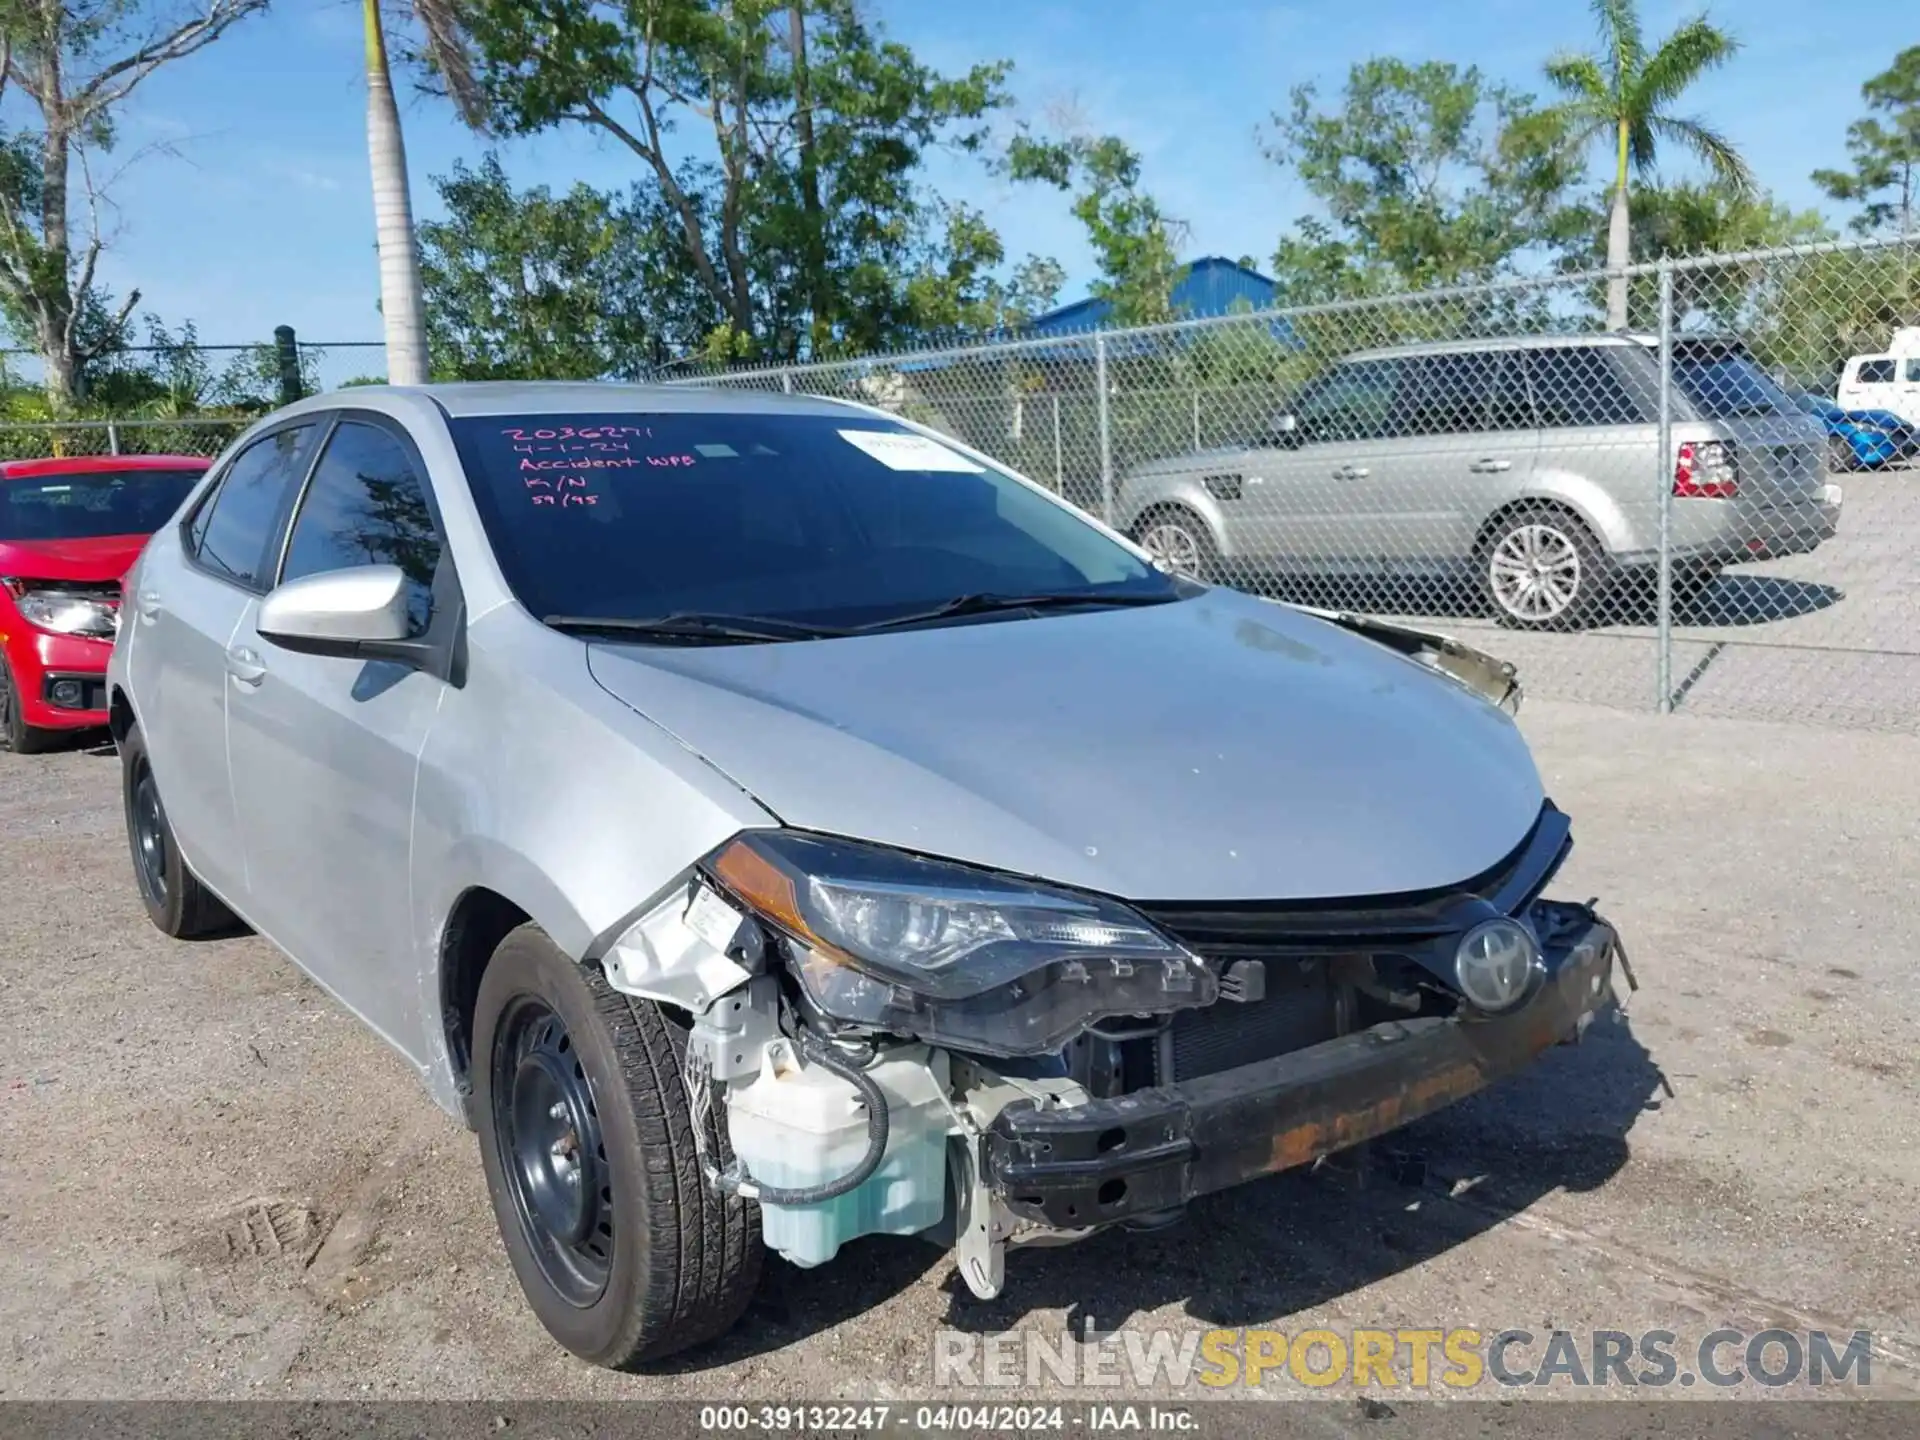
[{"x": 1106, "y": 1160}]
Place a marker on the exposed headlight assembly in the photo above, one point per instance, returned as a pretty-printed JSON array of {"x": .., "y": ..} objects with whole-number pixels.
[
  {"x": 66, "y": 612},
  {"x": 953, "y": 955}
]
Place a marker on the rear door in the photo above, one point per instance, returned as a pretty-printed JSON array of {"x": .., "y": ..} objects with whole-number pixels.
[
  {"x": 324, "y": 750},
  {"x": 1462, "y": 444},
  {"x": 192, "y": 591}
]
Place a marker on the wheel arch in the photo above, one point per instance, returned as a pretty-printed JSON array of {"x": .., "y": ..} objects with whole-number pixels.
[
  {"x": 120, "y": 715},
  {"x": 1533, "y": 503}
]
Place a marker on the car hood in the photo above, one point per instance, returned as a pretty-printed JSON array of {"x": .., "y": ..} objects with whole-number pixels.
[
  {"x": 106, "y": 558},
  {"x": 1220, "y": 747}
]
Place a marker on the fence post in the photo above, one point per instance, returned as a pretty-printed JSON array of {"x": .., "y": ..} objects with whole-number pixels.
[
  {"x": 1663, "y": 477},
  {"x": 1106, "y": 429},
  {"x": 786, "y": 379},
  {"x": 287, "y": 348},
  {"x": 1196, "y": 421},
  {"x": 113, "y": 438},
  {"x": 1059, "y": 474}
]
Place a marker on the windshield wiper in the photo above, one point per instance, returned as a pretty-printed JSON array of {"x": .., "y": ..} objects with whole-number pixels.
[
  {"x": 693, "y": 625},
  {"x": 984, "y": 603}
]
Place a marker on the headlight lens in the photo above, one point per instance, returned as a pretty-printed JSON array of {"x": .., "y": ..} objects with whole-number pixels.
[
  {"x": 66, "y": 613},
  {"x": 1497, "y": 964},
  {"x": 951, "y": 954}
]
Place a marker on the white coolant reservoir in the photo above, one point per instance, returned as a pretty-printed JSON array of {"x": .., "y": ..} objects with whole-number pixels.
[{"x": 797, "y": 1124}]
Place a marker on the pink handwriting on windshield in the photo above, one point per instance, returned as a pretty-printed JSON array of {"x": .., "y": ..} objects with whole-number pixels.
[
  {"x": 568, "y": 432},
  {"x": 671, "y": 460}
]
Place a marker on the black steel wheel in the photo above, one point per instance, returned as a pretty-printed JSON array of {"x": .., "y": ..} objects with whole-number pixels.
[
  {"x": 175, "y": 900},
  {"x": 622, "y": 1249},
  {"x": 546, "y": 1122}
]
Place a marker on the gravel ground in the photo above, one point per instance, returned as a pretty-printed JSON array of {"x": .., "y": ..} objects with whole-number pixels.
[{"x": 214, "y": 1183}]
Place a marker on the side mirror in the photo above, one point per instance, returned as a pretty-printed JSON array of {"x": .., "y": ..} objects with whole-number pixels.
[
  {"x": 358, "y": 613},
  {"x": 1286, "y": 430}
]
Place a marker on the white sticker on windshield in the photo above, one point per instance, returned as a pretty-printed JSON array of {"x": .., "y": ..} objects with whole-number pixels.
[{"x": 899, "y": 451}]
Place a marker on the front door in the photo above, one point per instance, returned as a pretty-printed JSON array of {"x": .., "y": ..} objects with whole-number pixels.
[{"x": 324, "y": 750}]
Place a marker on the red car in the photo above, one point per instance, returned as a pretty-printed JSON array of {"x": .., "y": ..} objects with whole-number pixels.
[{"x": 70, "y": 529}]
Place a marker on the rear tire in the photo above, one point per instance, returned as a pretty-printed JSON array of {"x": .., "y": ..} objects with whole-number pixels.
[
  {"x": 175, "y": 900},
  {"x": 623, "y": 1251},
  {"x": 1179, "y": 540},
  {"x": 15, "y": 734},
  {"x": 1541, "y": 569}
]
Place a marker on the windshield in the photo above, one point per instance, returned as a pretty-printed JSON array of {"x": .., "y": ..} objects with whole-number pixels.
[
  {"x": 91, "y": 506},
  {"x": 813, "y": 520},
  {"x": 1723, "y": 383}
]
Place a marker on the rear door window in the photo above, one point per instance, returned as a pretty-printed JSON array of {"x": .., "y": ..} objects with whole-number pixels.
[
  {"x": 1913, "y": 372},
  {"x": 1578, "y": 385}
]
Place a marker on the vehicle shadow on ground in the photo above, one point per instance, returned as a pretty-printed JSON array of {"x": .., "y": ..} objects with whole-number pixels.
[{"x": 1275, "y": 1247}]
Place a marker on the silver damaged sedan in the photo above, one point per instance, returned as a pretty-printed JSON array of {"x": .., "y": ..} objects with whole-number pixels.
[{"x": 769, "y": 823}]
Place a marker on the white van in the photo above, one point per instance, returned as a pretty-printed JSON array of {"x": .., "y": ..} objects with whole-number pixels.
[{"x": 1885, "y": 382}]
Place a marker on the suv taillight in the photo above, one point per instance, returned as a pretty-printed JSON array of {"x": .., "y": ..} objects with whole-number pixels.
[{"x": 1705, "y": 471}]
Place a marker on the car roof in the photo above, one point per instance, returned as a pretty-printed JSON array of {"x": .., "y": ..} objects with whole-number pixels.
[
  {"x": 99, "y": 464},
  {"x": 464, "y": 398},
  {"x": 1617, "y": 339}
]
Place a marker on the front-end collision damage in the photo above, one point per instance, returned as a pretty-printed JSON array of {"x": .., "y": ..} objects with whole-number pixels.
[{"x": 841, "y": 1129}]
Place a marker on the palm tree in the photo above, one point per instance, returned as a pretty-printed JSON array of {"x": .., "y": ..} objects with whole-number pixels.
[
  {"x": 401, "y": 303},
  {"x": 1623, "y": 95}
]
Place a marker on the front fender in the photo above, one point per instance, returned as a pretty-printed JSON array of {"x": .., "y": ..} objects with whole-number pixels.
[{"x": 1184, "y": 487}]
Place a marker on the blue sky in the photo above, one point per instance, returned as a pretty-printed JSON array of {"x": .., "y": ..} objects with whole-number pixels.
[{"x": 247, "y": 205}]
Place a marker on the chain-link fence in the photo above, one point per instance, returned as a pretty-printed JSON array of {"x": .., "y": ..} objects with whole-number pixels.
[
  {"x": 37, "y": 440},
  {"x": 1714, "y": 508}
]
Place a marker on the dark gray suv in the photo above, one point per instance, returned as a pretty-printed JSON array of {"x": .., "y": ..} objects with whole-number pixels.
[{"x": 1532, "y": 464}]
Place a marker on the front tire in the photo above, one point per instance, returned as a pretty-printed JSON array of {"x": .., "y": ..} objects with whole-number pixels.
[
  {"x": 15, "y": 734},
  {"x": 623, "y": 1251},
  {"x": 1541, "y": 569},
  {"x": 175, "y": 900},
  {"x": 1840, "y": 455}
]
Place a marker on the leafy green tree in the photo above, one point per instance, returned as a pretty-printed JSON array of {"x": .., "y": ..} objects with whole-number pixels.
[
  {"x": 784, "y": 141},
  {"x": 957, "y": 291},
  {"x": 1135, "y": 243},
  {"x": 1693, "y": 218},
  {"x": 530, "y": 285},
  {"x": 1624, "y": 95},
  {"x": 73, "y": 62},
  {"x": 1430, "y": 174},
  {"x": 1885, "y": 150}
]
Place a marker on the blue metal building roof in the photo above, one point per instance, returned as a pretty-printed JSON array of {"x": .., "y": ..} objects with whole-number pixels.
[{"x": 1212, "y": 285}]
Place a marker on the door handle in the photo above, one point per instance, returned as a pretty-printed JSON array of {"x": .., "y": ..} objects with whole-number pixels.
[
  {"x": 147, "y": 605},
  {"x": 245, "y": 666},
  {"x": 1351, "y": 472},
  {"x": 1490, "y": 466}
]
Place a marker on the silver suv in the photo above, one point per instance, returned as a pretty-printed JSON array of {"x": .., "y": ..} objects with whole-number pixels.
[{"x": 1532, "y": 464}]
